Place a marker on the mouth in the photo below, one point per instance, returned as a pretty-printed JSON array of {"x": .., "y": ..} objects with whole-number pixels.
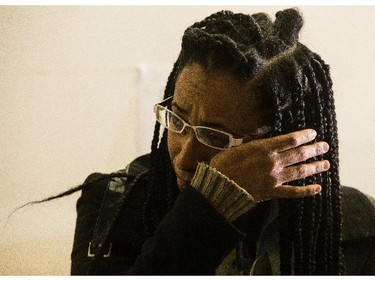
[
  {"x": 183, "y": 178},
  {"x": 182, "y": 183}
]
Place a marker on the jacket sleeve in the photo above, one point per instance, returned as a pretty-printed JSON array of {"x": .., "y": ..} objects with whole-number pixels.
[
  {"x": 358, "y": 213},
  {"x": 193, "y": 238},
  {"x": 369, "y": 266}
]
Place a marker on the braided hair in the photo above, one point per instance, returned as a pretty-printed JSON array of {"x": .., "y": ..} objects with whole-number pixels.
[{"x": 295, "y": 84}]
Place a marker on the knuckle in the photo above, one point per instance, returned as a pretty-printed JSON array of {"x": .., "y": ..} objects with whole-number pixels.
[
  {"x": 271, "y": 160},
  {"x": 300, "y": 171},
  {"x": 320, "y": 167},
  {"x": 272, "y": 179},
  {"x": 319, "y": 149},
  {"x": 293, "y": 140},
  {"x": 317, "y": 167},
  {"x": 303, "y": 153}
]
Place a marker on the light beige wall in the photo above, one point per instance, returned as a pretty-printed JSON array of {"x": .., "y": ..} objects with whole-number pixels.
[{"x": 68, "y": 85}]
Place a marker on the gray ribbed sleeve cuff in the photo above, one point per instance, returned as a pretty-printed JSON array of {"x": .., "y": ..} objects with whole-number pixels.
[{"x": 227, "y": 197}]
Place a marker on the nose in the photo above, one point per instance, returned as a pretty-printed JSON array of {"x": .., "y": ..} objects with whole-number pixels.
[{"x": 190, "y": 152}]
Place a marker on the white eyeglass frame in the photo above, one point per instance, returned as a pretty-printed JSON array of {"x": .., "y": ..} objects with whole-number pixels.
[{"x": 233, "y": 142}]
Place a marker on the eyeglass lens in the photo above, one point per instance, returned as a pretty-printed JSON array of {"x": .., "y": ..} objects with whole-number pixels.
[{"x": 205, "y": 135}]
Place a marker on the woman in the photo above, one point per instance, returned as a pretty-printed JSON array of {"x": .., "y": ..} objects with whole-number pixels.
[{"x": 244, "y": 179}]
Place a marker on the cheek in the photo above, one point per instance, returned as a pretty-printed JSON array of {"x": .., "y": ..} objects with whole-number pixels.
[{"x": 173, "y": 146}]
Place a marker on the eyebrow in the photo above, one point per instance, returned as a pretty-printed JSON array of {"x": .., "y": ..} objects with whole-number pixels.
[{"x": 179, "y": 109}]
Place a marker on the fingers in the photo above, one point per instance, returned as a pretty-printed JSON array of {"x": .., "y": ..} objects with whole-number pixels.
[
  {"x": 301, "y": 171},
  {"x": 302, "y": 153},
  {"x": 287, "y": 191},
  {"x": 292, "y": 140}
]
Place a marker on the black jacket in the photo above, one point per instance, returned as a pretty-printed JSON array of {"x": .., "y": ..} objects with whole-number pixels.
[{"x": 192, "y": 238}]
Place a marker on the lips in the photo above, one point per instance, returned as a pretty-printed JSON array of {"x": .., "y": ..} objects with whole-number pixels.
[{"x": 182, "y": 183}]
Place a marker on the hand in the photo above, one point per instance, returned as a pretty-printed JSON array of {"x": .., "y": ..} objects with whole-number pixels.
[{"x": 262, "y": 166}]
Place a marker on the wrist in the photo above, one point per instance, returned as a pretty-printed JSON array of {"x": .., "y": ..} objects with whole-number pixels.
[{"x": 224, "y": 195}]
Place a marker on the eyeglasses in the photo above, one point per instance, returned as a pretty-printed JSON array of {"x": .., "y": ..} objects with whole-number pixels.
[{"x": 208, "y": 136}]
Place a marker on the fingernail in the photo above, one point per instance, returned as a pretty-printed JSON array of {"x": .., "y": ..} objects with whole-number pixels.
[
  {"x": 326, "y": 165},
  {"x": 318, "y": 189},
  {"x": 325, "y": 147},
  {"x": 313, "y": 134}
]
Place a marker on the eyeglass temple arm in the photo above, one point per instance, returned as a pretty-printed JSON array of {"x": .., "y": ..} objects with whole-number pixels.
[{"x": 263, "y": 133}]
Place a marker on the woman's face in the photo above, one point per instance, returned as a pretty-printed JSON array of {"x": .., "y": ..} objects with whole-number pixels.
[{"x": 217, "y": 100}]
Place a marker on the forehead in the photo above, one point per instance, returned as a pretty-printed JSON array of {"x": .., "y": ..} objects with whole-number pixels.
[
  {"x": 219, "y": 88},
  {"x": 217, "y": 97}
]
